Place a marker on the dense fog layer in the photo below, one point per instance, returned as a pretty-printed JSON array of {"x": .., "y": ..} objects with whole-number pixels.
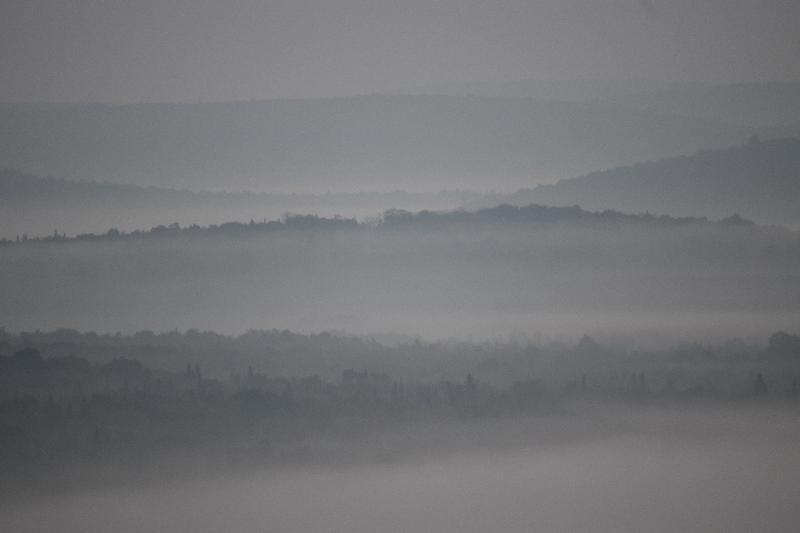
[
  {"x": 711, "y": 469},
  {"x": 474, "y": 280}
]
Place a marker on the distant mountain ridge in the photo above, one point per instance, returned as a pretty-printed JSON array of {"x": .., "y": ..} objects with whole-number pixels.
[
  {"x": 39, "y": 206},
  {"x": 22, "y": 190},
  {"x": 759, "y": 180},
  {"x": 576, "y": 90},
  {"x": 419, "y": 143},
  {"x": 761, "y": 105}
]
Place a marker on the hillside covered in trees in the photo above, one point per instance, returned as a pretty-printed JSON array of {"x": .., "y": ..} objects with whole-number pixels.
[
  {"x": 758, "y": 180},
  {"x": 535, "y": 216},
  {"x": 102, "y": 415}
]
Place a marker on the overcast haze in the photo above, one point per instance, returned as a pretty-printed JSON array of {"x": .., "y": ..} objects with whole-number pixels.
[
  {"x": 189, "y": 50},
  {"x": 399, "y": 265}
]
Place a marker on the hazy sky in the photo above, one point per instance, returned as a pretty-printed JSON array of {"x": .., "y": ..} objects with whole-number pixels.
[{"x": 188, "y": 50}]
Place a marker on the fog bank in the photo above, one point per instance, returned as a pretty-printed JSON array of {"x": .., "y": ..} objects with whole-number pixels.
[{"x": 714, "y": 470}]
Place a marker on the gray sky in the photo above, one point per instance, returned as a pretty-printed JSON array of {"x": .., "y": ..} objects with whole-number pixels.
[{"x": 189, "y": 50}]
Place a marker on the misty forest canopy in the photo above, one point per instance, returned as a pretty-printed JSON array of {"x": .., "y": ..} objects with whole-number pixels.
[
  {"x": 376, "y": 142},
  {"x": 286, "y": 354},
  {"x": 506, "y": 214},
  {"x": 151, "y": 403}
]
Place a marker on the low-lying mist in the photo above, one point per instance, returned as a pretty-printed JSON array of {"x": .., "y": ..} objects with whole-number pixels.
[
  {"x": 437, "y": 279},
  {"x": 708, "y": 469}
]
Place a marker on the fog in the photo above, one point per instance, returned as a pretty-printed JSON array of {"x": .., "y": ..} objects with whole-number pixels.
[
  {"x": 708, "y": 469},
  {"x": 678, "y": 413},
  {"x": 465, "y": 280},
  {"x": 399, "y": 266}
]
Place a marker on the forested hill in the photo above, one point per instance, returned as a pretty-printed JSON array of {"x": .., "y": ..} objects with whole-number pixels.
[
  {"x": 47, "y": 357},
  {"x": 397, "y": 219},
  {"x": 758, "y": 180}
]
